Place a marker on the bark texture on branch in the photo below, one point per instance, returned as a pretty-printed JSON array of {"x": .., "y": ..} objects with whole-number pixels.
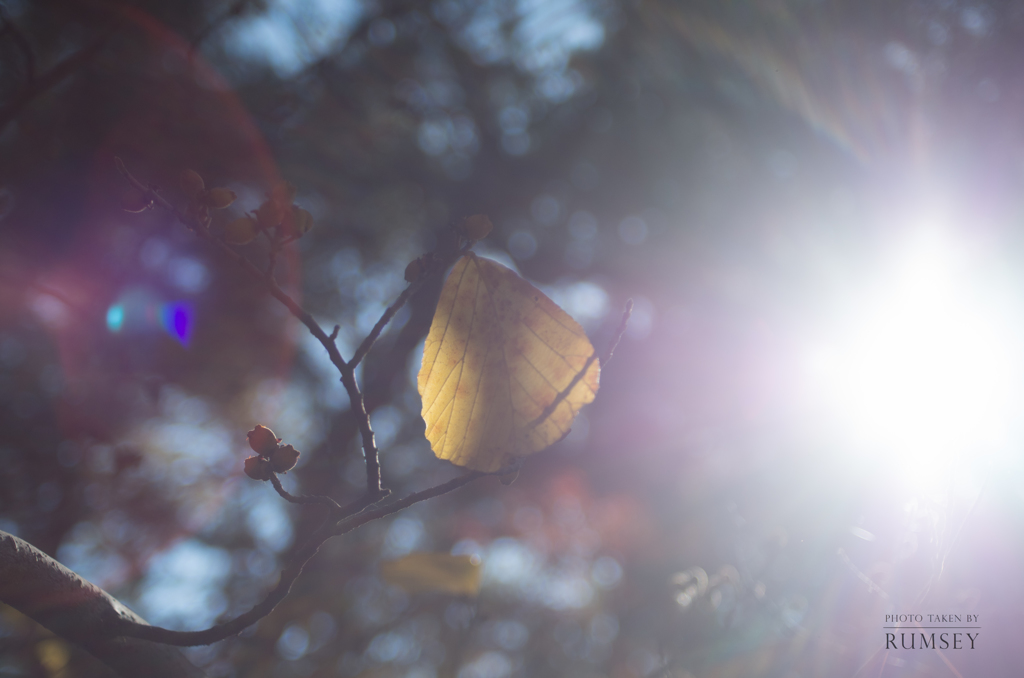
[{"x": 74, "y": 609}]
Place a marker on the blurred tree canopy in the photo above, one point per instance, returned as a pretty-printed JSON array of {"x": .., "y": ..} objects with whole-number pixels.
[{"x": 719, "y": 162}]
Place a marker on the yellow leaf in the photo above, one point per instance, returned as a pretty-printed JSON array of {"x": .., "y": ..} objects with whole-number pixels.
[
  {"x": 498, "y": 355},
  {"x": 434, "y": 573}
]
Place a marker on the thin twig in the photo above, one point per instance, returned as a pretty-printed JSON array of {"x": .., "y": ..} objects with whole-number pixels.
[
  {"x": 439, "y": 264},
  {"x": 23, "y": 44},
  {"x": 355, "y": 396},
  {"x": 619, "y": 331},
  {"x": 586, "y": 366},
  {"x": 49, "y": 79},
  {"x": 302, "y": 498}
]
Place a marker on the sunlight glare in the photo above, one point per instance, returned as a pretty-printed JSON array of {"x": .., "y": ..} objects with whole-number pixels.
[{"x": 926, "y": 368}]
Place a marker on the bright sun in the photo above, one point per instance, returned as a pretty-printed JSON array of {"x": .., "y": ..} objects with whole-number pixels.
[{"x": 926, "y": 365}]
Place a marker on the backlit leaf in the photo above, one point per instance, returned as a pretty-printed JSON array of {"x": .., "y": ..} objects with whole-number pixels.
[
  {"x": 434, "y": 573},
  {"x": 498, "y": 355}
]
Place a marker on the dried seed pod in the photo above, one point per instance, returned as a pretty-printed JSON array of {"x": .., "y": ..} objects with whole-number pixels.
[
  {"x": 258, "y": 468},
  {"x": 262, "y": 440},
  {"x": 476, "y": 227},
  {"x": 218, "y": 198},
  {"x": 284, "y": 193},
  {"x": 414, "y": 270},
  {"x": 269, "y": 214},
  {"x": 135, "y": 201},
  {"x": 191, "y": 183},
  {"x": 283, "y": 459},
  {"x": 302, "y": 221},
  {"x": 241, "y": 231}
]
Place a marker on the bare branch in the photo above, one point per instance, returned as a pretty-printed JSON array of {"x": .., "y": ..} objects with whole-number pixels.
[
  {"x": 355, "y": 396},
  {"x": 49, "y": 79},
  {"x": 331, "y": 528},
  {"x": 303, "y": 498},
  {"x": 69, "y": 606}
]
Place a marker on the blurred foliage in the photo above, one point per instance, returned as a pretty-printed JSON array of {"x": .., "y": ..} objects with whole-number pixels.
[{"x": 710, "y": 159}]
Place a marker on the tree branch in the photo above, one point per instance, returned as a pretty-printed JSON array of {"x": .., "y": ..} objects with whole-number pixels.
[
  {"x": 331, "y": 528},
  {"x": 302, "y": 499},
  {"x": 71, "y": 607}
]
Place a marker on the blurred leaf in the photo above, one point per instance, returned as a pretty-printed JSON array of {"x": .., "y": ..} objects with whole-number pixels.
[
  {"x": 498, "y": 354},
  {"x": 434, "y": 573}
]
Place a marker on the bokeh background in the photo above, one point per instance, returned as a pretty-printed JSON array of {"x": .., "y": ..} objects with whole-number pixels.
[{"x": 812, "y": 421}]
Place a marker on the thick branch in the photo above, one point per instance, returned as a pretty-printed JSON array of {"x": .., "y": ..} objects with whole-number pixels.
[{"x": 69, "y": 606}]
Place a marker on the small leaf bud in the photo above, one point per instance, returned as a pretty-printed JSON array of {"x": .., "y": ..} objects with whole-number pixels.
[
  {"x": 262, "y": 440},
  {"x": 283, "y": 459},
  {"x": 258, "y": 468},
  {"x": 476, "y": 227},
  {"x": 269, "y": 214},
  {"x": 240, "y": 231},
  {"x": 191, "y": 183},
  {"x": 219, "y": 198}
]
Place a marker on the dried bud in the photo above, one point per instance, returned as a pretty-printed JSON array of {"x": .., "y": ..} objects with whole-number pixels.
[
  {"x": 283, "y": 459},
  {"x": 269, "y": 214},
  {"x": 476, "y": 227},
  {"x": 218, "y": 198},
  {"x": 134, "y": 201},
  {"x": 303, "y": 221},
  {"x": 262, "y": 440},
  {"x": 284, "y": 193},
  {"x": 258, "y": 468},
  {"x": 241, "y": 231},
  {"x": 191, "y": 183},
  {"x": 414, "y": 270}
]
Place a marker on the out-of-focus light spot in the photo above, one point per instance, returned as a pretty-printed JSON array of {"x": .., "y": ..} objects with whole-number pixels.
[
  {"x": 268, "y": 522},
  {"x": 517, "y": 143},
  {"x": 433, "y": 136},
  {"x": 188, "y": 275},
  {"x": 604, "y": 628},
  {"x": 404, "y": 535},
  {"x": 51, "y": 311},
  {"x": 293, "y": 643},
  {"x": 582, "y": 225},
  {"x": 510, "y": 635},
  {"x": 522, "y": 245},
  {"x": 183, "y": 585},
  {"x": 606, "y": 572},
  {"x": 641, "y": 321},
  {"x": 154, "y": 253},
  {"x": 583, "y": 300},
  {"x": 177, "y": 320},
  {"x": 382, "y": 32},
  {"x": 633, "y": 230},
  {"x": 115, "y": 318},
  {"x": 393, "y": 646},
  {"x": 546, "y": 210},
  {"x": 976, "y": 21},
  {"x": 488, "y": 665},
  {"x": 937, "y": 33}
]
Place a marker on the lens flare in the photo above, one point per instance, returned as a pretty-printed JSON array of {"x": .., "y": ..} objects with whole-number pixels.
[{"x": 926, "y": 367}]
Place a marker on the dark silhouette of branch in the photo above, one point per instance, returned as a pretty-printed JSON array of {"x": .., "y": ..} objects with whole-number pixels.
[
  {"x": 49, "y": 79},
  {"x": 9, "y": 26},
  {"x": 302, "y": 499},
  {"x": 331, "y": 528},
  {"x": 69, "y": 606},
  {"x": 373, "y": 486}
]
